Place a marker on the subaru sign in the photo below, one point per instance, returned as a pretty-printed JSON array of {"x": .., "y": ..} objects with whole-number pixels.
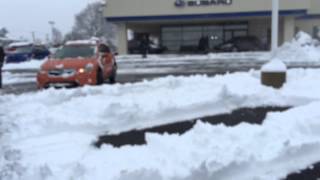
[{"x": 182, "y": 3}]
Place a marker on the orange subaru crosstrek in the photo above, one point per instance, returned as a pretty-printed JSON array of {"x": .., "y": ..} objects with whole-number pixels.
[{"x": 77, "y": 63}]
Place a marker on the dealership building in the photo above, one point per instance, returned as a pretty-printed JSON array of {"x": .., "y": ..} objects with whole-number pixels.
[{"x": 180, "y": 24}]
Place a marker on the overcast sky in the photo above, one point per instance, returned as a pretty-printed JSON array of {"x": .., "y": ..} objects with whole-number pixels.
[{"x": 21, "y": 17}]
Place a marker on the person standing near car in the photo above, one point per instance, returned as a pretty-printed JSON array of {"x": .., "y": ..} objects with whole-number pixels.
[
  {"x": 144, "y": 46},
  {"x": 2, "y": 55},
  {"x": 106, "y": 55}
]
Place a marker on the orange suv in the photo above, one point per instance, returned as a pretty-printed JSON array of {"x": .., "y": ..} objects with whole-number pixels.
[{"x": 78, "y": 63}]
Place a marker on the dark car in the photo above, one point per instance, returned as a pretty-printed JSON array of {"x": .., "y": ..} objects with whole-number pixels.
[
  {"x": 134, "y": 47},
  {"x": 21, "y": 52},
  {"x": 241, "y": 44}
]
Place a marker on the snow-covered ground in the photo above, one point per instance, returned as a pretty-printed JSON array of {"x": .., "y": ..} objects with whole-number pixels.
[
  {"x": 54, "y": 129},
  {"x": 48, "y": 135}
]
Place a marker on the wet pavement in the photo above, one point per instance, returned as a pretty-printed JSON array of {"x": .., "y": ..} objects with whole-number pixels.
[
  {"x": 310, "y": 173},
  {"x": 137, "y": 137}
]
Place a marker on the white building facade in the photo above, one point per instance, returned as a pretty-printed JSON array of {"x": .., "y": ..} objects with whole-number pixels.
[{"x": 179, "y": 24}]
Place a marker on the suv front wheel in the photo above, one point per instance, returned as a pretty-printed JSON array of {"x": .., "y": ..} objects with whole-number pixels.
[
  {"x": 99, "y": 77},
  {"x": 112, "y": 78}
]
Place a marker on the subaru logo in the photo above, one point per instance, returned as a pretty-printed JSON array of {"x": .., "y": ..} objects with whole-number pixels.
[{"x": 179, "y": 3}]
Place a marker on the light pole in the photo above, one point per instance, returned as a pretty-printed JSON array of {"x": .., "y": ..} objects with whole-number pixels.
[
  {"x": 274, "y": 72},
  {"x": 275, "y": 25},
  {"x": 51, "y": 23}
]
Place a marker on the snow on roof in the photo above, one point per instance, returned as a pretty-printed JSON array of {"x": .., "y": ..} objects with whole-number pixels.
[
  {"x": 82, "y": 42},
  {"x": 18, "y": 44}
]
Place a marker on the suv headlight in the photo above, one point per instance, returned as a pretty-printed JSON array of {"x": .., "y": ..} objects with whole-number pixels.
[{"x": 81, "y": 70}]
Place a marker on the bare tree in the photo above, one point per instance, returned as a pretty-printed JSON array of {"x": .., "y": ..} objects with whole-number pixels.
[
  {"x": 90, "y": 22},
  {"x": 3, "y": 32},
  {"x": 57, "y": 37}
]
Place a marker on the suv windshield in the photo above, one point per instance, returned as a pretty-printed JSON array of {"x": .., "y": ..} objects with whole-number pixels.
[{"x": 75, "y": 51}]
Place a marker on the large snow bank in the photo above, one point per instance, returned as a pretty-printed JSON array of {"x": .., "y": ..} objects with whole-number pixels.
[
  {"x": 50, "y": 130},
  {"x": 122, "y": 107},
  {"x": 284, "y": 144},
  {"x": 301, "y": 49}
]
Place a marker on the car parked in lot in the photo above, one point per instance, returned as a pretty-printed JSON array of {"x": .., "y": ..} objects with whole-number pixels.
[
  {"x": 134, "y": 47},
  {"x": 23, "y": 51},
  {"x": 241, "y": 44},
  {"x": 77, "y": 63}
]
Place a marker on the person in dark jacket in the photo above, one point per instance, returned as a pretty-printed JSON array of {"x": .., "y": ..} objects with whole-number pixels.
[
  {"x": 203, "y": 45},
  {"x": 2, "y": 55},
  {"x": 144, "y": 46}
]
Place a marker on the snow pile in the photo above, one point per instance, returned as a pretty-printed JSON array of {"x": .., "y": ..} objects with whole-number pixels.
[
  {"x": 301, "y": 49},
  {"x": 54, "y": 129},
  {"x": 274, "y": 65},
  {"x": 244, "y": 152},
  {"x": 123, "y": 107}
]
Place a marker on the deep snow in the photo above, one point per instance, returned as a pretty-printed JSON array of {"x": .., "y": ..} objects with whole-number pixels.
[
  {"x": 48, "y": 135},
  {"x": 54, "y": 129}
]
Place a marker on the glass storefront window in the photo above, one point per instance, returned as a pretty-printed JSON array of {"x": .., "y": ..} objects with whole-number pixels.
[
  {"x": 188, "y": 37},
  {"x": 239, "y": 33}
]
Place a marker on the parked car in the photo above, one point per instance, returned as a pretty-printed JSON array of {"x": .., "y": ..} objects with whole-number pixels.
[
  {"x": 134, "y": 47},
  {"x": 240, "y": 44},
  {"x": 77, "y": 63},
  {"x": 23, "y": 51}
]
